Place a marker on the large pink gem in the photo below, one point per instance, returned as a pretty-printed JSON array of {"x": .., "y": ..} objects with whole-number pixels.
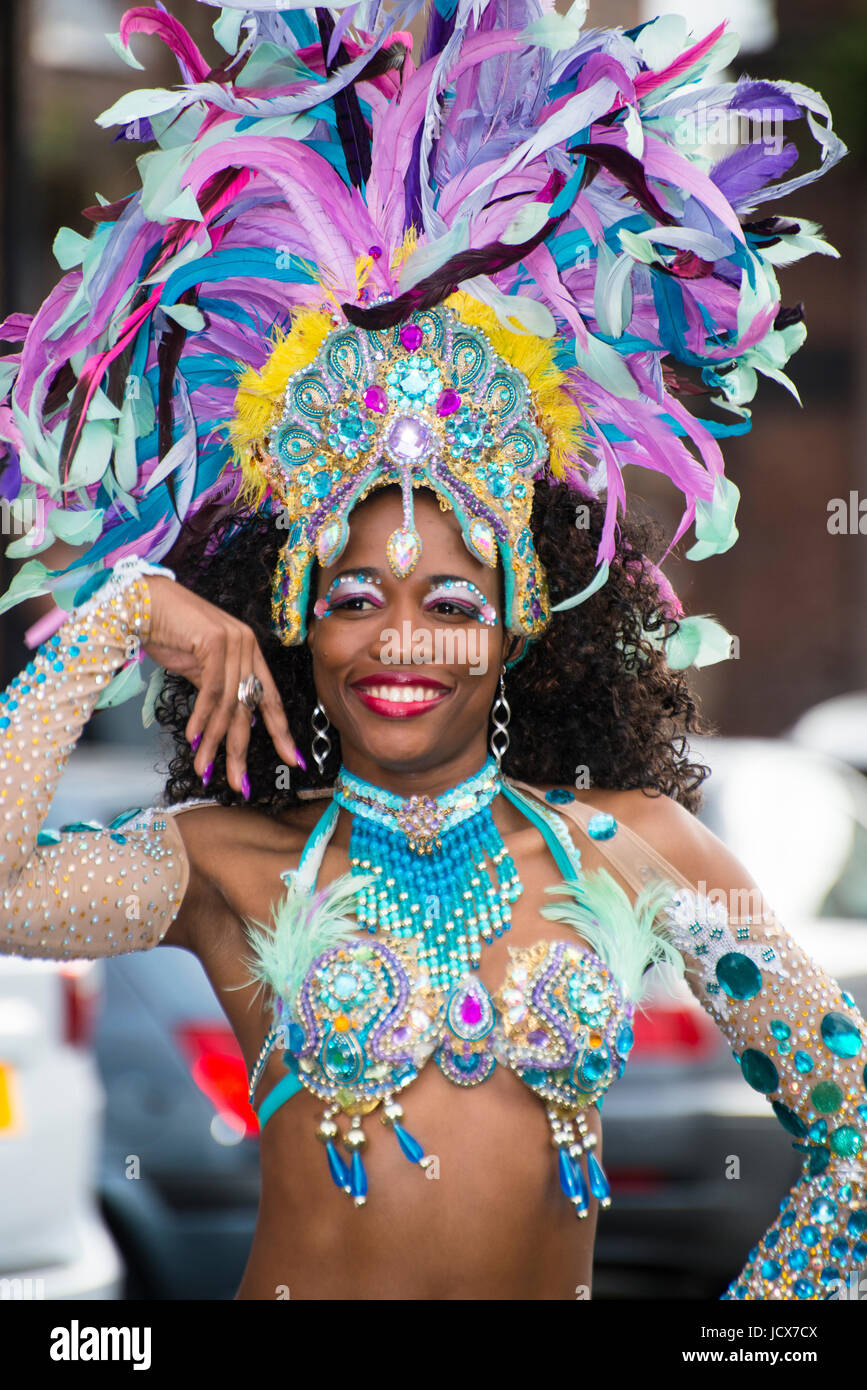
[
  {"x": 471, "y": 1010},
  {"x": 376, "y": 399},
  {"x": 448, "y": 402},
  {"x": 409, "y": 437},
  {"x": 411, "y": 336}
]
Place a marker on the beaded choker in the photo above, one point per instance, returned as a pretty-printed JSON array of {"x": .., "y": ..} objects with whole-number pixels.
[{"x": 428, "y": 856}]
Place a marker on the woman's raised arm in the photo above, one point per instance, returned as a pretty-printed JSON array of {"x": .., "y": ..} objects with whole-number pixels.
[{"x": 87, "y": 890}]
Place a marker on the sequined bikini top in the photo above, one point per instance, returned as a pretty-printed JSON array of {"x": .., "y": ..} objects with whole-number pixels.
[{"x": 357, "y": 1018}]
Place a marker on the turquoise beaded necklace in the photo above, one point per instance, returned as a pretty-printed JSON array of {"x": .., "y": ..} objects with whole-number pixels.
[{"x": 428, "y": 856}]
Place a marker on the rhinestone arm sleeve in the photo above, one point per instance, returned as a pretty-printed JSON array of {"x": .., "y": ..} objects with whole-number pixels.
[
  {"x": 799, "y": 1040},
  {"x": 84, "y": 890}
]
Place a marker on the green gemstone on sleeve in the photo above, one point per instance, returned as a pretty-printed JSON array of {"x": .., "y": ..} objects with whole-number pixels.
[
  {"x": 826, "y": 1097},
  {"x": 846, "y": 1142}
]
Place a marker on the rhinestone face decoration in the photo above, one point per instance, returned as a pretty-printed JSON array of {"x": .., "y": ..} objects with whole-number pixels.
[{"x": 427, "y": 404}]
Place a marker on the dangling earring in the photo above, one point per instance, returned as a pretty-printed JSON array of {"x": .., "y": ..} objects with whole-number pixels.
[
  {"x": 321, "y": 741},
  {"x": 500, "y": 715}
]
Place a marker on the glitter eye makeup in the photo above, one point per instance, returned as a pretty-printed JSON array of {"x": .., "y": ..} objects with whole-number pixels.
[
  {"x": 359, "y": 585},
  {"x": 464, "y": 594}
]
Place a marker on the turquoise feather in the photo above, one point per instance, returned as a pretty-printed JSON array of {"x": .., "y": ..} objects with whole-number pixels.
[
  {"x": 622, "y": 935},
  {"x": 303, "y": 925}
]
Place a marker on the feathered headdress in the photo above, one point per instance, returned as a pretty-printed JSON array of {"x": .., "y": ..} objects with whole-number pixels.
[{"x": 592, "y": 204}]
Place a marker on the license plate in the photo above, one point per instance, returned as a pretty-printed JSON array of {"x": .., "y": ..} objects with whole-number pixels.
[{"x": 9, "y": 1109}]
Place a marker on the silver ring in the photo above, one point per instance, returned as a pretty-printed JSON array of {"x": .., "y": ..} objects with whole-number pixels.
[{"x": 250, "y": 693}]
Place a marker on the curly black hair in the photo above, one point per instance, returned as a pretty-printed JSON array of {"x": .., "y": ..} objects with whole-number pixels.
[{"x": 592, "y": 692}]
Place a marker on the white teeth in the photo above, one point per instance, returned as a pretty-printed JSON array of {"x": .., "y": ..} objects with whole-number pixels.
[{"x": 401, "y": 694}]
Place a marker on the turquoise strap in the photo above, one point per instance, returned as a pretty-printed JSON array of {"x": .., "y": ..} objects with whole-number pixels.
[
  {"x": 565, "y": 863},
  {"x": 283, "y": 1091}
]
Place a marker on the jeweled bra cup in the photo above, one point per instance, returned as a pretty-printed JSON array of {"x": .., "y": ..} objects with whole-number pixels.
[{"x": 367, "y": 1017}]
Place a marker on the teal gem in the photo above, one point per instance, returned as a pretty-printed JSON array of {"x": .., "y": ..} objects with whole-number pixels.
[
  {"x": 558, "y": 796},
  {"x": 350, "y": 428},
  {"x": 839, "y": 1247},
  {"x": 322, "y": 482},
  {"x": 595, "y": 1065},
  {"x": 857, "y": 1223},
  {"x": 346, "y": 985},
  {"x": 840, "y": 1035},
  {"x": 533, "y": 1077},
  {"x": 818, "y": 1161},
  {"x": 802, "y": 1288},
  {"x": 810, "y": 1236},
  {"x": 818, "y": 1131},
  {"x": 770, "y": 1269},
  {"x": 826, "y": 1097},
  {"x": 740, "y": 977},
  {"x": 799, "y": 1259},
  {"x": 789, "y": 1120},
  {"x": 342, "y": 1056},
  {"x": 414, "y": 383},
  {"x": 779, "y": 1029},
  {"x": 625, "y": 1040},
  {"x": 846, "y": 1142},
  {"x": 602, "y": 826},
  {"x": 823, "y": 1210},
  {"x": 830, "y": 1275},
  {"x": 758, "y": 1070},
  {"x": 859, "y": 1251},
  {"x": 803, "y": 1062}
]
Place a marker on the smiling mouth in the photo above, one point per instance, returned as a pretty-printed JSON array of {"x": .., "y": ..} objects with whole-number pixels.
[{"x": 400, "y": 701}]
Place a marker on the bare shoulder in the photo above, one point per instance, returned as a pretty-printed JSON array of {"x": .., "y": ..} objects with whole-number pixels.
[
  {"x": 673, "y": 831},
  {"x": 679, "y": 836}
]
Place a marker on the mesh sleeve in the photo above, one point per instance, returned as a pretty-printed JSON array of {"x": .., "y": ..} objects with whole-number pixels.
[
  {"x": 85, "y": 890},
  {"x": 800, "y": 1041}
]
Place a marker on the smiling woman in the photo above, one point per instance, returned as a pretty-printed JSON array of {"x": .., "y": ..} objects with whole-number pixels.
[{"x": 474, "y": 269}]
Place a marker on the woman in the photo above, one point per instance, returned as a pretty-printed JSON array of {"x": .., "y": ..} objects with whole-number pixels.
[{"x": 415, "y": 480}]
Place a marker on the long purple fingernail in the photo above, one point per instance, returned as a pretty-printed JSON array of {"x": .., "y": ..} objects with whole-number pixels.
[
  {"x": 245, "y": 787},
  {"x": 300, "y": 757},
  {"x": 194, "y": 743},
  {"x": 207, "y": 776},
  {"x": 252, "y": 721}
]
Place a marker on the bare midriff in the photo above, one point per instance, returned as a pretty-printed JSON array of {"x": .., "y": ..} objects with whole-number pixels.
[{"x": 485, "y": 1218}]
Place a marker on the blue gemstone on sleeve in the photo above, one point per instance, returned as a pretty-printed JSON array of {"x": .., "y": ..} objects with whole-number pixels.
[
  {"x": 739, "y": 976},
  {"x": 601, "y": 826},
  {"x": 840, "y": 1035},
  {"x": 799, "y": 1259},
  {"x": 558, "y": 796},
  {"x": 803, "y": 1288}
]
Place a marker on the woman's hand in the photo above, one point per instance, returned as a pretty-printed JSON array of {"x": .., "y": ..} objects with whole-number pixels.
[{"x": 215, "y": 652}]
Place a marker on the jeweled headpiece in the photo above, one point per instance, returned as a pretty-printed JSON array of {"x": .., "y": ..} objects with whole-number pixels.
[
  {"x": 427, "y": 404},
  {"x": 591, "y": 200}
]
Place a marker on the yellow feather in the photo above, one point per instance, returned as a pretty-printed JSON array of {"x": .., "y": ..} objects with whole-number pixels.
[{"x": 559, "y": 417}]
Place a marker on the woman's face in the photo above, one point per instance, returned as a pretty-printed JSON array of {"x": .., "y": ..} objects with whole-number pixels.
[{"x": 403, "y": 668}]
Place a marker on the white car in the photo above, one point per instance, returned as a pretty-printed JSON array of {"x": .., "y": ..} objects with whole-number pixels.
[{"x": 54, "y": 1243}]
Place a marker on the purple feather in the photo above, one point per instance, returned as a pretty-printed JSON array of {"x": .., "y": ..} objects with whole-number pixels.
[
  {"x": 10, "y": 473},
  {"x": 743, "y": 174}
]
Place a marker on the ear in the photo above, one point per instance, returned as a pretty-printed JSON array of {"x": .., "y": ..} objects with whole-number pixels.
[{"x": 515, "y": 649}]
